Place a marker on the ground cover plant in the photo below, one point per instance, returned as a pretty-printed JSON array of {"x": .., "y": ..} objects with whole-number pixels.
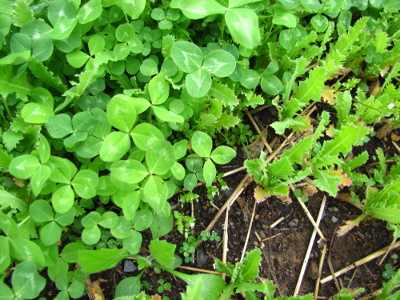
[{"x": 110, "y": 108}]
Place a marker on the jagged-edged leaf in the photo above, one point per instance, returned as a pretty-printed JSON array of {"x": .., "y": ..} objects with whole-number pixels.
[
  {"x": 327, "y": 181},
  {"x": 346, "y": 41},
  {"x": 299, "y": 150},
  {"x": 10, "y": 84},
  {"x": 243, "y": 26},
  {"x": 223, "y": 94},
  {"x": 251, "y": 264},
  {"x": 349, "y": 136},
  {"x": 359, "y": 160},
  {"x": 93, "y": 261},
  {"x": 281, "y": 168},
  {"x": 9, "y": 200},
  {"x": 194, "y": 291},
  {"x": 310, "y": 89},
  {"x": 343, "y": 106},
  {"x": 198, "y": 9}
]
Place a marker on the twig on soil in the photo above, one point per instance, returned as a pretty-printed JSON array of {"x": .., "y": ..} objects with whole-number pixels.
[
  {"x": 387, "y": 252},
  {"x": 258, "y": 109},
  {"x": 360, "y": 262},
  {"x": 271, "y": 237},
  {"x": 225, "y": 237},
  {"x": 234, "y": 171},
  {"x": 232, "y": 198},
  {"x": 261, "y": 134},
  {"x": 352, "y": 278},
  {"x": 321, "y": 264},
  {"x": 310, "y": 217},
  {"x": 259, "y": 239},
  {"x": 199, "y": 270},
  {"x": 330, "y": 262},
  {"x": 372, "y": 295},
  {"x": 310, "y": 246},
  {"x": 249, "y": 231},
  {"x": 276, "y": 223},
  {"x": 396, "y": 146}
]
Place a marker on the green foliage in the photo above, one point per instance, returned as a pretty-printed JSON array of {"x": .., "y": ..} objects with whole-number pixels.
[{"x": 109, "y": 108}]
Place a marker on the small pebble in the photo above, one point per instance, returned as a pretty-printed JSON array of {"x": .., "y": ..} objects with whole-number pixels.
[
  {"x": 334, "y": 219},
  {"x": 294, "y": 223},
  {"x": 129, "y": 267},
  {"x": 227, "y": 192}
]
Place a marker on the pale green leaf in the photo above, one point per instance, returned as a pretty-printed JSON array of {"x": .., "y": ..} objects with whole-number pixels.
[
  {"x": 93, "y": 261},
  {"x": 39, "y": 178},
  {"x": 243, "y": 26},
  {"x": 50, "y": 233},
  {"x": 63, "y": 199},
  {"x": 160, "y": 157},
  {"x": 201, "y": 143},
  {"x": 84, "y": 183},
  {"x": 26, "y": 281},
  {"x": 145, "y": 135},
  {"x": 223, "y": 155},
  {"x": 129, "y": 171},
  {"x": 133, "y": 8},
  {"x": 198, "y": 83},
  {"x": 327, "y": 181},
  {"x": 121, "y": 112},
  {"x": 158, "y": 89},
  {"x": 198, "y": 9},
  {"x": 89, "y": 12},
  {"x": 219, "y": 63},
  {"x": 187, "y": 56},
  {"x": 223, "y": 94},
  {"x": 209, "y": 172},
  {"x": 36, "y": 113},
  {"x": 167, "y": 115},
  {"x": 24, "y": 166},
  {"x": 115, "y": 146},
  {"x": 163, "y": 252},
  {"x": 9, "y": 200}
]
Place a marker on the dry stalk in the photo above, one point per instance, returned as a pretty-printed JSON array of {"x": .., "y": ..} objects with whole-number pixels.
[
  {"x": 387, "y": 252},
  {"x": 249, "y": 231},
  {"x": 310, "y": 246},
  {"x": 321, "y": 264},
  {"x": 360, "y": 262},
  {"x": 310, "y": 217},
  {"x": 199, "y": 270},
  {"x": 262, "y": 137}
]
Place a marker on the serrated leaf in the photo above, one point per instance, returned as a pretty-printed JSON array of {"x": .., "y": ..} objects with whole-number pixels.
[
  {"x": 11, "y": 139},
  {"x": 9, "y": 84},
  {"x": 223, "y": 94},
  {"x": 346, "y": 41},
  {"x": 299, "y": 150},
  {"x": 327, "y": 181},
  {"x": 9, "y": 200},
  {"x": 281, "y": 168}
]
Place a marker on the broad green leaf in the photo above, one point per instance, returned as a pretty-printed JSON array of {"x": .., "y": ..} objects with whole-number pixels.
[
  {"x": 63, "y": 28},
  {"x": 389, "y": 214},
  {"x": 60, "y": 10},
  {"x": 209, "y": 172},
  {"x": 75, "y": 138},
  {"x": 105, "y": 186},
  {"x": 91, "y": 235},
  {"x": 133, "y": 242},
  {"x": 311, "y": 5},
  {"x": 50, "y": 233},
  {"x": 89, "y": 12},
  {"x": 84, "y": 183},
  {"x": 141, "y": 105},
  {"x": 25, "y": 250},
  {"x": 62, "y": 169},
  {"x": 220, "y": 63},
  {"x": 145, "y": 135},
  {"x": 243, "y": 26},
  {"x": 149, "y": 67},
  {"x": 167, "y": 115},
  {"x": 4, "y": 254},
  {"x": 109, "y": 219},
  {"x": 76, "y": 289},
  {"x": 44, "y": 149},
  {"x": 24, "y": 166},
  {"x": 320, "y": 23},
  {"x": 178, "y": 171},
  {"x": 65, "y": 219},
  {"x": 237, "y": 3},
  {"x": 8, "y": 199},
  {"x": 6, "y": 292},
  {"x": 155, "y": 192},
  {"x": 250, "y": 79},
  {"x": 96, "y": 44},
  {"x": 193, "y": 291},
  {"x": 286, "y": 39},
  {"x": 63, "y": 199},
  {"x": 143, "y": 219},
  {"x": 271, "y": 85},
  {"x": 201, "y": 143},
  {"x": 42, "y": 49},
  {"x": 88, "y": 148},
  {"x": 77, "y": 58},
  {"x": 198, "y": 9},
  {"x": 36, "y": 113},
  {"x": 198, "y": 83},
  {"x": 93, "y": 261},
  {"x": 161, "y": 226},
  {"x": 71, "y": 250},
  {"x": 20, "y": 43},
  {"x": 121, "y": 112},
  {"x": 223, "y": 155},
  {"x": 187, "y": 56},
  {"x": 299, "y": 150},
  {"x": 115, "y": 146},
  {"x": 122, "y": 229},
  {"x": 39, "y": 178},
  {"x": 163, "y": 252},
  {"x": 223, "y": 94},
  {"x": 15, "y": 58},
  {"x": 133, "y": 8},
  {"x": 59, "y": 125},
  {"x": 130, "y": 204},
  {"x": 37, "y": 29},
  {"x": 160, "y": 157},
  {"x": 158, "y": 89},
  {"x": 129, "y": 287},
  {"x": 26, "y": 281},
  {"x": 180, "y": 148},
  {"x": 129, "y": 171},
  {"x": 125, "y": 32},
  {"x": 284, "y": 18}
]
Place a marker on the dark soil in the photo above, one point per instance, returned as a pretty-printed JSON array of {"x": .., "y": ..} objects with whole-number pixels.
[{"x": 284, "y": 246}]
